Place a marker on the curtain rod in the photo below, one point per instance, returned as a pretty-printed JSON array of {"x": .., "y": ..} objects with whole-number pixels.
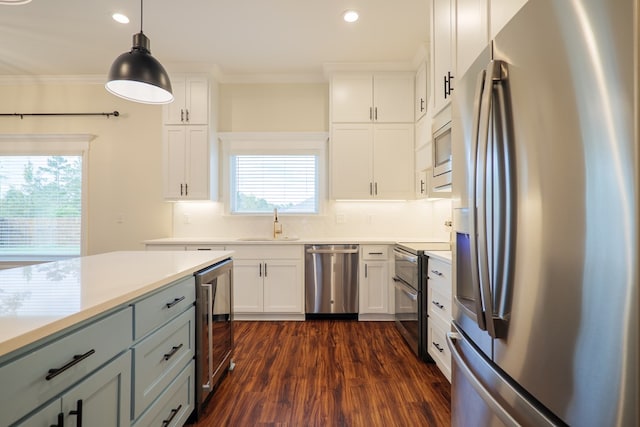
[{"x": 21, "y": 115}]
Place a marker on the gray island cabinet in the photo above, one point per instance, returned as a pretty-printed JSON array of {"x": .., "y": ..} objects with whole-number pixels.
[{"x": 106, "y": 340}]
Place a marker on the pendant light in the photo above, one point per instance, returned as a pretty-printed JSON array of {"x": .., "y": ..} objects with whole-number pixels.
[{"x": 138, "y": 76}]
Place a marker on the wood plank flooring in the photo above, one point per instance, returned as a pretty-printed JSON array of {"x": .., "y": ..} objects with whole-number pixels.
[{"x": 327, "y": 373}]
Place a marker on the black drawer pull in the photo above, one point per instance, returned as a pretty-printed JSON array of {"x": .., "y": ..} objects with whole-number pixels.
[
  {"x": 376, "y": 253},
  {"x": 78, "y": 412},
  {"x": 76, "y": 359},
  {"x": 174, "y": 302},
  {"x": 436, "y": 272},
  {"x": 174, "y": 412},
  {"x": 60, "y": 422},
  {"x": 173, "y": 351},
  {"x": 437, "y": 304},
  {"x": 440, "y": 349}
]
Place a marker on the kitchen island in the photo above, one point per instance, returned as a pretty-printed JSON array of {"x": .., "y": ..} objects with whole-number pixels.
[{"x": 78, "y": 326}]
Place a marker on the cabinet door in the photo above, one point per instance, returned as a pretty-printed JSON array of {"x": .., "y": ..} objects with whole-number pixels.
[
  {"x": 191, "y": 101},
  {"x": 352, "y": 98},
  {"x": 175, "y": 161},
  {"x": 392, "y": 97},
  {"x": 283, "y": 286},
  {"x": 247, "y": 286},
  {"x": 351, "y": 161},
  {"x": 104, "y": 397},
  {"x": 197, "y": 154},
  {"x": 186, "y": 162},
  {"x": 420, "y": 99},
  {"x": 443, "y": 51},
  {"x": 471, "y": 32},
  {"x": 374, "y": 287},
  {"x": 393, "y": 161},
  {"x": 47, "y": 416}
]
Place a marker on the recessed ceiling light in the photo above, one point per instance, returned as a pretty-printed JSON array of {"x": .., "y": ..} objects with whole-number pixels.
[
  {"x": 119, "y": 17},
  {"x": 350, "y": 16}
]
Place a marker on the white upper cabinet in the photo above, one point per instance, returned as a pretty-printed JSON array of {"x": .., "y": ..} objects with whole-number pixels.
[
  {"x": 443, "y": 53},
  {"x": 372, "y": 161},
  {"x": 384, "y": 97},
  {"x": 421, "y": 91},
  {"x": 472, "y": 32},
  {"x": 191, "y": 101},
  {"x": 186, "y": 157}
]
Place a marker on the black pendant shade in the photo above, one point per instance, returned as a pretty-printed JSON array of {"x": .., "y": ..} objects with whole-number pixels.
[{"x": 138, "y": 76}]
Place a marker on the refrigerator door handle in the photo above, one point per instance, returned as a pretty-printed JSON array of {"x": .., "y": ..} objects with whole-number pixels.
[
  {"x": 473, "y": 236},
  {"x": 480, "y": 223},
  {"x": 483, "y": 392}
]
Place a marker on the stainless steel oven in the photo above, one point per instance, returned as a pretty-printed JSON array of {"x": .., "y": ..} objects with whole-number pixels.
[
  {"x": 214, "y": 329},
  {"x": 410, "y": 293}
]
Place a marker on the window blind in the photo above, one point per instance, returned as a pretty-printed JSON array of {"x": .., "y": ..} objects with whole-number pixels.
[
  {"x": 40, "y": 205},
  {"x": 261, "y": 183}
]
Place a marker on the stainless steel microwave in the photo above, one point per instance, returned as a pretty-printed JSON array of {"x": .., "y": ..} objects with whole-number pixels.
[{"x": 442, "y": 158}]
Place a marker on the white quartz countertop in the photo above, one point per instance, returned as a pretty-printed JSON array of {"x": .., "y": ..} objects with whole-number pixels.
[
  {"x": 441, "y": 255},
  {"x": 44, "y": 299}
]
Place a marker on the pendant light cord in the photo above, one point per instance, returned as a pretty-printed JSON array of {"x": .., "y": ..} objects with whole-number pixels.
[{"x": 141, "y": 15}]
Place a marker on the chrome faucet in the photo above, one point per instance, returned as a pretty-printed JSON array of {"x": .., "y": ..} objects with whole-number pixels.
[{"x": 277, "y": 226}]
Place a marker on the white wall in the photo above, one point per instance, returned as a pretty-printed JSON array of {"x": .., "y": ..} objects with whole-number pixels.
[{"x": 125, "y": 167}]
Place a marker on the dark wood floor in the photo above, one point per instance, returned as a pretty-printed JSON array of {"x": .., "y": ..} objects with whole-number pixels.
[{"x": 327, "y": 373}]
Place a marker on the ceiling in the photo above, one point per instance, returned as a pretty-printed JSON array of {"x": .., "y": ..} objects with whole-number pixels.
[{"x": 235, "y": 38}]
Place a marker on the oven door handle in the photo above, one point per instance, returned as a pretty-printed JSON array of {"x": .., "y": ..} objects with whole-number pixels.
[
  {"x": 406, "y": 289},
  {"x": 400, "y": 255}
]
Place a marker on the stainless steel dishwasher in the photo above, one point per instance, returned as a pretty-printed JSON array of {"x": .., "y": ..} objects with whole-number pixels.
[{"x": 331, "y": 281}]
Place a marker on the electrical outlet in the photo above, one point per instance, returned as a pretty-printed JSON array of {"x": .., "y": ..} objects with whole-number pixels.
[
  {"x": 120, "y": 218},
  {"x": 187, "y": 218},
  {"x": 341, "y": 218}
]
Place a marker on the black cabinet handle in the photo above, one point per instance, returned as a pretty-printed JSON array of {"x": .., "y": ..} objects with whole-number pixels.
[
  {"x": 186, "y": 189},
  {"x": 265, "y": 269},
  {"x": 437, "y": 304},
  {"x": 174, "y": 412},
  {"x": 174, "y": 302},
  {"x": 375, "y": 253},
  {"x": 187, "y": 115},
  {"x": 60, "y": 422},
  {"x": 446, "y": 93},
  {"x": 78, "y": 412},
  {"x": 76, "y": 359},
  {"x": 181, "y": 189},
  {"x": 181, "y": 115},
  {"x": 450, "y": 78},
  {"x": 436, "y": 272},
  {"x": 173, "y": 351},
  {"x": 421, "y": 104},
  {"x": 260, "y": 270},
  {"x": 440, "y": 349}
]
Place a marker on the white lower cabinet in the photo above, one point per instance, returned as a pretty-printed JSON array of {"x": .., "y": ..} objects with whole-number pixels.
[
  {"x": 268, "y": 279},
  {"x": 374, "y": 289},
  {"x": 439, "y": 292}
]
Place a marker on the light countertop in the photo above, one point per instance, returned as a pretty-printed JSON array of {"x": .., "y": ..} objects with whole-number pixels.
[
  {"x": 441, "y": 255},
  {"x": 41, "y": 300},
  {"x": 300, "y": 241}
]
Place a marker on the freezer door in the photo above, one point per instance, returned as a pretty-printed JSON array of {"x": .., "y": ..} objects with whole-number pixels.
[
  {"x": 572, "y": 300},
  {"x": 483, "y": 396}
]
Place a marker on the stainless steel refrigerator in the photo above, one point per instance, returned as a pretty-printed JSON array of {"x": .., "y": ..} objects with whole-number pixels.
[{"x": 545, "y": 197}]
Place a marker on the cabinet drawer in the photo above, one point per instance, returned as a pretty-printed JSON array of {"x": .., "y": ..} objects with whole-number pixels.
[
  {"x": 440, "y": 305},
  {"x": 160, "y": 357},
  {"x": 268, "y": 251},
  {"x": 157, "y": 309},
  {"x": 29, "y": 388},
  {"x": 440, "y": 275},
  {"x": 438, "y": 347},
  {"x": 174, "y": 406},
  {"x": 375, "y": 252}
]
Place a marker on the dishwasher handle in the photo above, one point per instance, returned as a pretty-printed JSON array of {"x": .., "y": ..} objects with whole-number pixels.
[{"x": 332, "y": 251}]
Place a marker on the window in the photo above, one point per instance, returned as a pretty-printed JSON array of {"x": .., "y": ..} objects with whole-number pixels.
[
  {"x": 261, "y": 183},
  {"x": 268, "y": 170},
  {"x": 41, "y": 200}
]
